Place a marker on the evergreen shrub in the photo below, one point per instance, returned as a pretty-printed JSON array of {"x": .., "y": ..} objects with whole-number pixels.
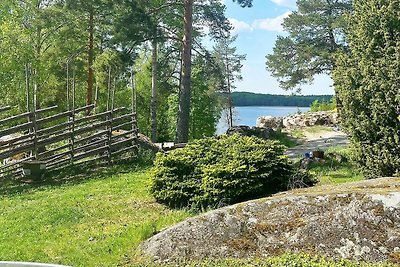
[
  {"x": 368, "y": 86},
  {"x": 225, "y": 170}
]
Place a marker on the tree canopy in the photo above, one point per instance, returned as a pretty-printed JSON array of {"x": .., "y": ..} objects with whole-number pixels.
[
  {"x": 368, "y": 86},
  {"x": 100, "y": 44},
  {"x": 316, "y": 32}
]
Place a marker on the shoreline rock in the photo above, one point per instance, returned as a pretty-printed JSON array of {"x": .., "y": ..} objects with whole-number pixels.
[{"x": 321, "y": 118}]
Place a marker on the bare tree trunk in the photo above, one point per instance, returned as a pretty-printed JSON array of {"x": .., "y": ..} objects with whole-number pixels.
[
  {"x": 230, "y": 110},
  {"x": 36, "y": 71},
  {"x": 182, "y": 129},
  {"x": 230, "y": 102},
  {"x": 153, "y": 105},
  {"x": 89, "y": 92}
]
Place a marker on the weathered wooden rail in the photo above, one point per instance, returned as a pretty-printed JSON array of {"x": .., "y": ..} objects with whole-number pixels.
[{"x": 65, "y": 138}]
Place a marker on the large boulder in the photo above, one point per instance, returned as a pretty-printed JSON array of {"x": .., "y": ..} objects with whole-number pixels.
[
  {"x": 269, "y": 122},
  {"x": 358, "y": 221}
]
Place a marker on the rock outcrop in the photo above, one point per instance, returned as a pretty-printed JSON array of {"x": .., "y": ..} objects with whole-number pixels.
[
  {"x": 324, "y": 118},
  {"x": 358, "y": 221},
  {"x": 269, "y": 122}
]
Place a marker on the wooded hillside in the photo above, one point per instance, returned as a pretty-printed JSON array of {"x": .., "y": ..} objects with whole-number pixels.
[{"x": 253, "y": 99}]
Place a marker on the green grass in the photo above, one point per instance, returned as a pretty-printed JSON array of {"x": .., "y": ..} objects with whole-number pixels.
[
  {"x": 331, "y": 171},
  {"x": 98, "y": 221},
  {"x": 317, "y": 129},
  {"x": 285, "y": 260},
  {"x": 285, "y": 139},
  {"x": 297, "y": 133}
]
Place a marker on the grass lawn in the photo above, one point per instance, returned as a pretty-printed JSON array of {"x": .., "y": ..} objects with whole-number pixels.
[
  {"x": 336, "y": 174},
  {"x": 97, "y": 221},
  {"x": 333, "y": 172},
  {"x": 100, "y": 218}
]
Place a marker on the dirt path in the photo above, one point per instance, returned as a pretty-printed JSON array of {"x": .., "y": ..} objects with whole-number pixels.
[{"x": 320, "y": 140}]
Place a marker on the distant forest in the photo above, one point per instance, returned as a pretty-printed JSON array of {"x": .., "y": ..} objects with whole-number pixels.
[{"x": 241, "y": 99}]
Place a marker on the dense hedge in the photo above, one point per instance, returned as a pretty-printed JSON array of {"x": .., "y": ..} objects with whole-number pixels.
[
  {"x": 225, "y": 170},
  {"x": 368, "y": 86}
]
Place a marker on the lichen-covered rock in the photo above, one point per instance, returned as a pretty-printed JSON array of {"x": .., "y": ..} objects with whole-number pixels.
[{"x": 358, "y": 221}]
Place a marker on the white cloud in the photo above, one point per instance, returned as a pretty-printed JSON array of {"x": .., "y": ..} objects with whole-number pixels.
[
  {"x": 286, "y": 3},
  {"x": 270, "y": 24},
  {"x": 240, "y": 26}
]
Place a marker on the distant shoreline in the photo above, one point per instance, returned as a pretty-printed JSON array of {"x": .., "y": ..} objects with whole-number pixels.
[
  {"x": 248, "y": 99},
  {"x": 237, "y": 106}
]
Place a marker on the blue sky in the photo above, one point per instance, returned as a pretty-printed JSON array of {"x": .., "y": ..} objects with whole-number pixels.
[{"x": 257, "y": 29}]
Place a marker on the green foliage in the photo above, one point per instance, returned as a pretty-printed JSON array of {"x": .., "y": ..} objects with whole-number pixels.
[
  {"x": 367, "y": 84},
  {"x": 252, "y": 99},
  {"x": 205, "y": 107},
  {"x": 323, "y": 105},
  {"x": 209, "y": 172},
  {"x": 35, "y": 33},
  {"x": 316, "y": 33},
  {"x": 230, "y": 66}
]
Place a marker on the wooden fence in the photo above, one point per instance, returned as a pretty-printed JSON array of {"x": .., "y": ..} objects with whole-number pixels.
[{"x": 63, "y": 138}]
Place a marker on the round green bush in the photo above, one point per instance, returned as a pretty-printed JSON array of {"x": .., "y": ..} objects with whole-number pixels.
[{"x": 217, "y": 171}]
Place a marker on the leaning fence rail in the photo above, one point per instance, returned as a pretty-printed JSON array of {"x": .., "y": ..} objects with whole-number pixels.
[{"x": 65, "y": 138}]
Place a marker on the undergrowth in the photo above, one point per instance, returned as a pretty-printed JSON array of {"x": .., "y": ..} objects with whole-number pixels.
[{"x": 285, "y": 260}]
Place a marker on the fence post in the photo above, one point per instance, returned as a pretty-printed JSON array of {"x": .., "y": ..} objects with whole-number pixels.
[
  {"x": 109, "y": 118},
  {"x": 35, "y": 135},
  {"x": 72, "y": 120}
]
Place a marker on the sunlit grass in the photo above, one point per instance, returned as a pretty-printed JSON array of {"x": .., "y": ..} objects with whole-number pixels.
[
  {"x": 331, "y": 171},
  {"x": 97, "y": 222},
  {"x": 285, "y": 139},
  {"x": 317, "y": 129},
  {"x": 99, "y": 219}
]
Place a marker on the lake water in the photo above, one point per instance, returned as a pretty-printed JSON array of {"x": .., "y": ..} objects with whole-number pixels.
[{"x": 248, "y": 115}]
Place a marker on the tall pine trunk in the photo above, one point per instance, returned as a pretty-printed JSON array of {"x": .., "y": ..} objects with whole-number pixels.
[
  {"x": 89, "y": 92},
  {"x": 182, "y": 129},
  {"x": 153, "y": 105}
]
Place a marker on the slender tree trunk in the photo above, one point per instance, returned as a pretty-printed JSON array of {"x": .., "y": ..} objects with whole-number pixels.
[
  {"x": 153, "y": 105},
  {"x": 182, "y": 129},
  {"x": 230, "y": 102},
  {"x": 89, "y": 92},
  {"x": 37, "y": 80}
]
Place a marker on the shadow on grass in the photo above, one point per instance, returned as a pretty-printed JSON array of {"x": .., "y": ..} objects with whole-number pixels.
[
  {"x": 73, "y": 174},
  {"x": 286, "y": 139}
]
